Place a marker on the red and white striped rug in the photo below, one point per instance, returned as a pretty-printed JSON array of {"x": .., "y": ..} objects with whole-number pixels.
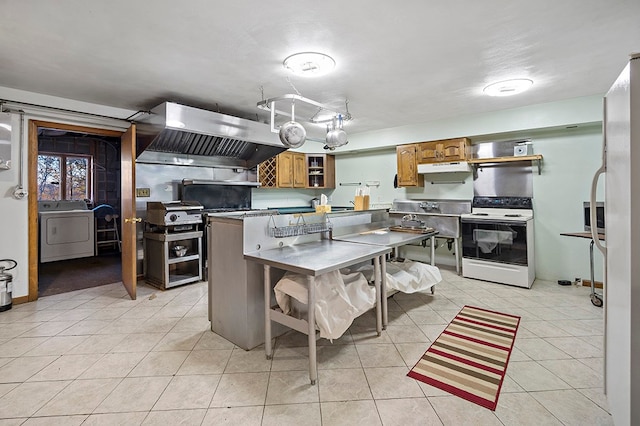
[{"x": 469, "y": 359}]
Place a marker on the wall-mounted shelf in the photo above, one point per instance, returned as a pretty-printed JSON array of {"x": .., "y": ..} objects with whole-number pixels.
[{"x": 537, "y": 158}]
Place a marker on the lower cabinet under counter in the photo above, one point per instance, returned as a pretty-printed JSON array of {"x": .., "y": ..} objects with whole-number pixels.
[{"x": 235, "y": 286}]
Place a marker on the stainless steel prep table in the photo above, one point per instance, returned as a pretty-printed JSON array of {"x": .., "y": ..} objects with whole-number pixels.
[
  {"x": 392, "y": 239},
  {"x": 313, "y": 259}
]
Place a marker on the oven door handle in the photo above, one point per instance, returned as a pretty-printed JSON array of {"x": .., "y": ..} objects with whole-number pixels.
[{"x": 494, "y": 222}]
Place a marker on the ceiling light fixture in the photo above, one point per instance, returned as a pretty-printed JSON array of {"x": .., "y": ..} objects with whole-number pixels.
[
  {"x": 508, "y": 87},
  {"x": 309, "y": 64}
]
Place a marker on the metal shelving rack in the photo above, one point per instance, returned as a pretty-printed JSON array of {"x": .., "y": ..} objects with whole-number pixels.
[{"x": 162, "y": 268}]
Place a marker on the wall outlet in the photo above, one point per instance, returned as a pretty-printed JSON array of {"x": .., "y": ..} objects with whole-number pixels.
[{"x": 143, "y": 192}]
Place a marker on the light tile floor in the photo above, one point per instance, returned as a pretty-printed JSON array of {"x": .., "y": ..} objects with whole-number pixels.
[{"x": 94, "y": 357}]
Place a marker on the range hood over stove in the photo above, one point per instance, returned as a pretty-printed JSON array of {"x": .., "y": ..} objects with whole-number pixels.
[
  {"x": 179, "y": 134},
  {"x": 452, "y": 167}
]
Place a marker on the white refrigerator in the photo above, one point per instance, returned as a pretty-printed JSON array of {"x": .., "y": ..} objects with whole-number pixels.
[{"x": 621, "y": 250}]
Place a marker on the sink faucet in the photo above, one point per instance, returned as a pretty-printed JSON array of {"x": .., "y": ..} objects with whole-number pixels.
[{"x": 429, "y": 206}]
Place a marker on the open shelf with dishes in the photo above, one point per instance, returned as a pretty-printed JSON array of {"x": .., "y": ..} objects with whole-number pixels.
[{"x": 320, "y": 171}]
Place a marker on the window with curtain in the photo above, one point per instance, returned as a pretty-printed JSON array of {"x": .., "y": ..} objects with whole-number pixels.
[{"x": 64, "y": 177}]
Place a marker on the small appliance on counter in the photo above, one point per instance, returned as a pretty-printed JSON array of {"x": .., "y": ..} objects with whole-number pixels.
[
  {"x": 174, "y": 214},
  {"x": 586, "y": 207},
  {"x": 323, "y": 206}
]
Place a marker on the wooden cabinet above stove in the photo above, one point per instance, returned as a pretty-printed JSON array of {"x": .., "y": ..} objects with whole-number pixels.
[
  {"x": 448, "y": 150},
  {"x": 442, "y": 151}
]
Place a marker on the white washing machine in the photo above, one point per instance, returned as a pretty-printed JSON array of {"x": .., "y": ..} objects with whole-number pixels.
[{"x": 66, "y": 230}]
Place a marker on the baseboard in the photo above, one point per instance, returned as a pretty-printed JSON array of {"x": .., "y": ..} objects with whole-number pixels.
[
  {"x": 587, "y": 283},
  {"x": 19, "y": 300}
]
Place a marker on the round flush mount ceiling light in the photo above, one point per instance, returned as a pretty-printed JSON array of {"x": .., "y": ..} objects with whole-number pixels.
[
  {"x": 309, "y": 64},
  {"x": 508, "y": 87}
]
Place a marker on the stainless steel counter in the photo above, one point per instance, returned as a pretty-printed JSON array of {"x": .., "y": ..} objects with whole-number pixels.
[
  {"x": 313, "y": 259},
  {"x": 392, "y": 239},
  {"x": 317, "y": 257},
  {"x": 386, "y": 237}
]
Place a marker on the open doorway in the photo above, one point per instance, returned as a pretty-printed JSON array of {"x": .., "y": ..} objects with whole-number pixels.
[{"x": 78, "y": 187}]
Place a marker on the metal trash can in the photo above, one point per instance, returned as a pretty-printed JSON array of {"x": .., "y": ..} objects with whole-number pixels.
[{"x": 6, "y": 284}]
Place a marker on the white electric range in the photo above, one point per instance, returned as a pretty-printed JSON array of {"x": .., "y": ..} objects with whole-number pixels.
[{"x": 497, "y": 241}]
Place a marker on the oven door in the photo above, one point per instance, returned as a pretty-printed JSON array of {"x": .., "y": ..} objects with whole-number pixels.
[{"x": 495, "y": 240}]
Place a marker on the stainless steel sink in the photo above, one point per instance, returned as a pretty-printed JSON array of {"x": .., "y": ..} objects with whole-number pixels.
[{"x": 442, "y": 215}]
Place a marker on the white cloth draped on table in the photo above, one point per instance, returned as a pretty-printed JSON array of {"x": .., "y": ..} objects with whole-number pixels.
[
  {"x": 407, "y": 276},
  {"x": 340, "y": 298}
]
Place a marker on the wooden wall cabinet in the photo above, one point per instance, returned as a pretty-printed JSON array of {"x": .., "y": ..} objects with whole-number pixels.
[
  {"x": 292, "y": 170},
  {"x": 407, "y": 156},
  {"x": 286, "y": 170},
  {"x": 298, "y": 170},
  {"x": 321, "y": 171},
  {"x": 447, "y": 150}
]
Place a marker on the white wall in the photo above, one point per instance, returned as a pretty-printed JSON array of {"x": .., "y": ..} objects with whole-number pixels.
[
  {"x": 380, "y": 166},
  {"x": 577, "y": 111},
  {"x": 14, "y": 218},
  {"x": 14, "y": 236},
  {"x": 570, "y": 160}
]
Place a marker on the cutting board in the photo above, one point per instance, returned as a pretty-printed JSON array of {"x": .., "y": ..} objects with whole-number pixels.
[{"x": 411, "y": 230}]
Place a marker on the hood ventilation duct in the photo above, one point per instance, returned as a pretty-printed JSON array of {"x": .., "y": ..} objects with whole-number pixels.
[{"x": 178, "y": 134}]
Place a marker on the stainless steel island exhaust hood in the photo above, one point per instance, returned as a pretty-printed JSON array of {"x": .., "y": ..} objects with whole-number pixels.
[{"x": 178, "y": 134}]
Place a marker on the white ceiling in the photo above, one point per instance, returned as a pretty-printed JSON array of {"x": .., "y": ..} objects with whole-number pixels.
[{"x": 398, "y": 63}]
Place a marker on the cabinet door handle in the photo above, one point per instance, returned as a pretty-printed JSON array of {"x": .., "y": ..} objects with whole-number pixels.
[{"x": 132, "y": 219}]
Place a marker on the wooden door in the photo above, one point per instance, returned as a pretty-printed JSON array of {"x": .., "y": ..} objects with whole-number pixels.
[
  {"x": 285, "y": 170},
  {"x": 34, "y": 242},
  {"x": 299, "y": 170},
  {"x": 329, "y": 171},
  {"x": 128, "y": 210},
  {"x": 407, "y": 165}
]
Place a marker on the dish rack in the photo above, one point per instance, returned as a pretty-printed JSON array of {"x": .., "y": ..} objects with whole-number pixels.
[{"x": 300, "y": 228}]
